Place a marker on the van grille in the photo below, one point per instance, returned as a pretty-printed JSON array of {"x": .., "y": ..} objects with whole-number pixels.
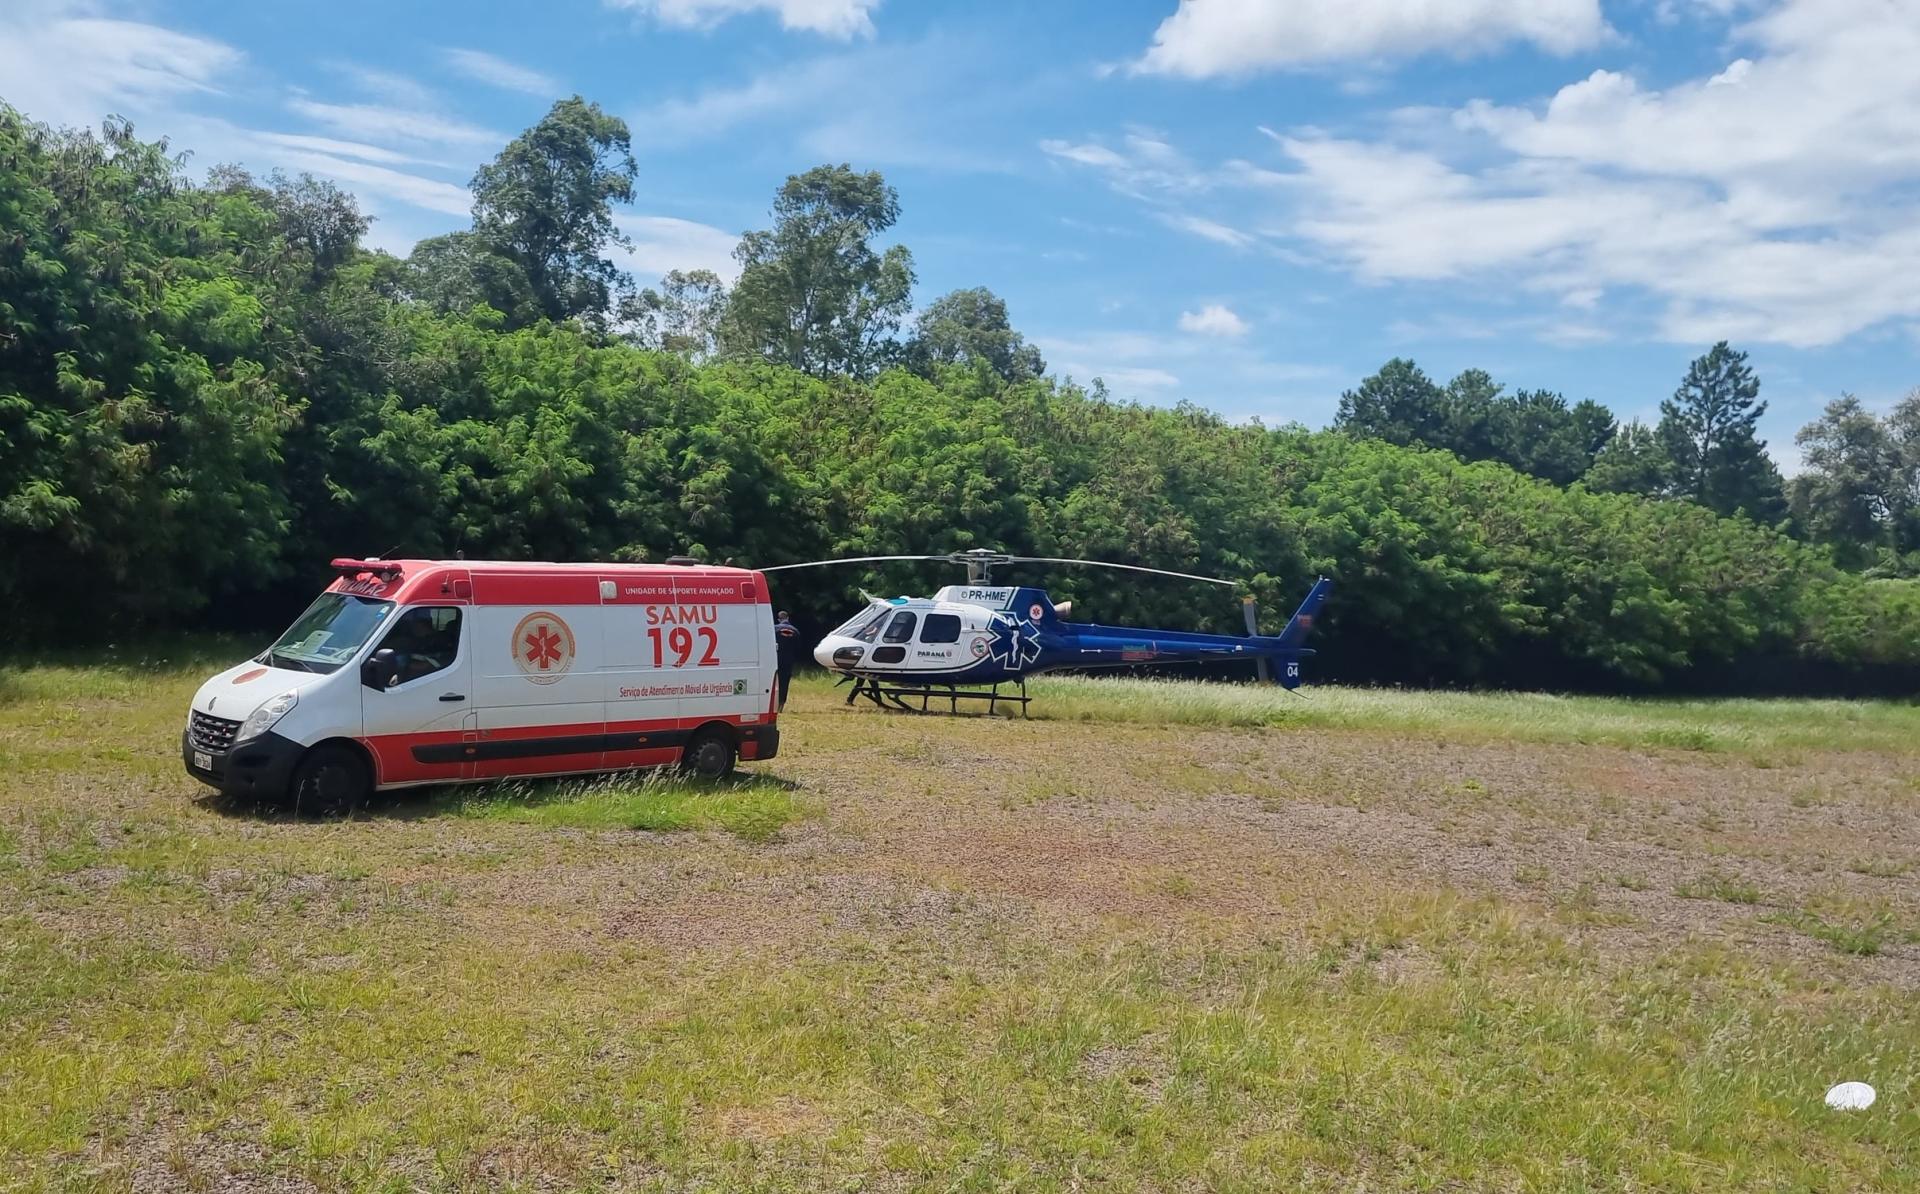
[{"x": 212, "y": 733}]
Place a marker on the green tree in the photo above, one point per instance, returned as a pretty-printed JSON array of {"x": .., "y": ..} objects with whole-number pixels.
[
  {"x": 813, "y": 294},
  {"x": 1707, "y": 431},
  {"x": 546, "y": 205},
  {"x": 1634, "y": 460},
  {"x": 1536, "y": 432},
  {"x": 1849, "y": 492},
  {"x": 1470, "y": 425},
  {"x": 682, "y": 316},
  {"x": 141, "y": 422},
  {"x": 970, "y": 327},
  {"x": 458, "y": 271},
  {"x": 1399, "y": 404}
]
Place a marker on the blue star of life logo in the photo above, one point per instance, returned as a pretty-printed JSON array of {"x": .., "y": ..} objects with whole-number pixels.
[{"x": 1015, "y": 643}]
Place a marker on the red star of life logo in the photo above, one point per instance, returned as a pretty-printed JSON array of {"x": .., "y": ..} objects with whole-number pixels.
[{"x": 542, "y": 647}]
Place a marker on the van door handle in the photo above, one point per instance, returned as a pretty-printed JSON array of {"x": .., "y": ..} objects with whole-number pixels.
[{"x": 453, "y": 696}]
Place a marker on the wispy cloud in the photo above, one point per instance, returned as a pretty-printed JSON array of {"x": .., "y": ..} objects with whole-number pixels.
[
  {"x": 662, "y": 243},
  {"x": 384, "y": 85},
  {"x": 831, "y": 18},
  {"x": 75, "y": 71},
  {"x": 498, "y": 72},
  {"x": 374, "y": 122},
  {"x": 366, "y": 177},
  {"x": 1772, "y": 198},
  {"x": 933, "y": 87},
  {"x": 711, "y": 113},
  {"x": 1210, "y": 38},
  {"x": 1206, "y": 229},
  {"x": 1214, "y": 319},
  {"x": 335, "y": 147}
]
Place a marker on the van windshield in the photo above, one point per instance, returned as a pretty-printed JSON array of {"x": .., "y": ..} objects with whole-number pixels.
[{"x": 334, "y": 627}]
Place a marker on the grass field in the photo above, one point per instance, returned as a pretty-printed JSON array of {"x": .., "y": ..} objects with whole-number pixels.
[{"x": 1161, "y": 936}]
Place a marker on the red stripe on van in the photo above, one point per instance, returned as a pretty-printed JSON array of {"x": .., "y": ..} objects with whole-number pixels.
[
  {"x": 394, "y": 762},
  {"x": 535, "y": 588}
]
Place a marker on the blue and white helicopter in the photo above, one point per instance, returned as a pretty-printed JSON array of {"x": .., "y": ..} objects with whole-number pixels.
[{"x": 966, "y": 641}]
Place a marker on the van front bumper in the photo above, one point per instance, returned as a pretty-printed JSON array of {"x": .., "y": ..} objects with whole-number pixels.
[{"x": 257, "y": 769}]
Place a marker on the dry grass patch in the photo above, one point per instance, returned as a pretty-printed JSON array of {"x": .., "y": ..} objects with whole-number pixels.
[{"x": 1393, "y": 940}]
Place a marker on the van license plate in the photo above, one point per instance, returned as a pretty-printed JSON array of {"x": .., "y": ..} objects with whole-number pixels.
[{"x": 203, "y": 760}]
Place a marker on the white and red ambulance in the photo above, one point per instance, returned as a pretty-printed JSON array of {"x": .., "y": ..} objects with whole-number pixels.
[{"x": 409, "y": 672}]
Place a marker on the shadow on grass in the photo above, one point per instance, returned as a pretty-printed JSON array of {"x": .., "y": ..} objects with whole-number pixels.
[{"x": 753, "y": 806}]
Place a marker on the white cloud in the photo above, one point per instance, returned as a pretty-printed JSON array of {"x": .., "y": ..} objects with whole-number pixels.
[
  {"x": 376, "y": 122},
  {"x": 1206, "y": 229},
  {"x": 784, "y": 91},
  {"x": 59, "y": 65},
  {"x": 1775, "y": 197},
  {"x": 1144, "y": 165},
  {"x": 76, "y": 71},
  {"x": 1213, "y": 320},
  {"x": 386, "y": 85},
  {"x": 936, "y": 89},
  {"x": 329, "y": 145},
  {"x": 1210, "y": 38},
  {"x": 1770, "y": 200},
  {"x": 831, "y": 18},
  {"x": 497, "y": 71},
  {"x": 662, "y": 243},
  {"x": 365, "y": 177},
  {"x": 1144, "y": 365},
  {"x": 1085, "y": 155}
]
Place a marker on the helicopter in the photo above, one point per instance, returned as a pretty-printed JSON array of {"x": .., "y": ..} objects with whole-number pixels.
[{"x": 968, "y": 640}]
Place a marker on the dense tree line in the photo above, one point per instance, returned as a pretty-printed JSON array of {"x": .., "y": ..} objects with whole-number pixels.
[
  {"x": 1704, "y": 449},
  {"x": 207, "y": 390}
]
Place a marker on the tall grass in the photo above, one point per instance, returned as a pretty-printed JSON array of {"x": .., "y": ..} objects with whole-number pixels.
[
  {"x": 1752, "y": 726},
  {"x": 754, "y": 807}
]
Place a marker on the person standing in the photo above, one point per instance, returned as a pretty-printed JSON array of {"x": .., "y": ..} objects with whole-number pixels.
[{"x": 786, "y": 640}]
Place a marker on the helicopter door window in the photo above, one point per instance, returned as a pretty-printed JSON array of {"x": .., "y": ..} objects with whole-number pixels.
[
  {"x": 941, "y": 628},
  {"x": 900, "y": 630}
]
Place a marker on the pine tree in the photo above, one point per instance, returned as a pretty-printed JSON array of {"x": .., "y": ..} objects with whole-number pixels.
[{"x": 1707, "y": 430}]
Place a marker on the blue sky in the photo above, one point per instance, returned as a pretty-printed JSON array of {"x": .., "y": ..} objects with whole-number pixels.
[{"x": 1249, "y": 204}]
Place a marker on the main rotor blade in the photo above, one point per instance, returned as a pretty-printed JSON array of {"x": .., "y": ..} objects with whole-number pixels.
[
  {"x": 847, "y": 560},
  {"x": 1212, "y": 580}
]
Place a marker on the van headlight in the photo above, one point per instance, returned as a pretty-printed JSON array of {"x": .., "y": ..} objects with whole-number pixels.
[{"x": 262, "y": 719}]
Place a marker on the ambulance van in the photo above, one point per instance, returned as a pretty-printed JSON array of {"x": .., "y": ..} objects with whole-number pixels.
[{"x": 407, "y": 672}]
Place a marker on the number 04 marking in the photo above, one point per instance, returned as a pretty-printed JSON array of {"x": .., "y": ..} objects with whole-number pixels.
[{"x": 679, "y": 641}]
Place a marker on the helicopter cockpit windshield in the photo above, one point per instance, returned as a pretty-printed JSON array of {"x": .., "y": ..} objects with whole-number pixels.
[{"x": 865, "y": 626}]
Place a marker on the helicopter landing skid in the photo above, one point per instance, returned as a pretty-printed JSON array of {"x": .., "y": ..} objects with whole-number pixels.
[{"x": 896, "y": 695}]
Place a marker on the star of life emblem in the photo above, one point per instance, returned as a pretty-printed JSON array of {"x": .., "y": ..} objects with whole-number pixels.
[
  {"x": 542, "y": 647},
  {"x": 1015, "y": 643}
]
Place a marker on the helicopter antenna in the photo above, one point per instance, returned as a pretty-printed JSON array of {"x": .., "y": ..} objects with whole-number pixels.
[{"x": 980, "y": 563}]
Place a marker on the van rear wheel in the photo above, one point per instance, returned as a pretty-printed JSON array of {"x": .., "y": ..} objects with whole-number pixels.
[
  {"x": 709, "y": 755},
  {"x": 330, "y": 779}
]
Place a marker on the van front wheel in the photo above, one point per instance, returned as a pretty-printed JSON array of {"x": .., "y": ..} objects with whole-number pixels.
[
  {"x": 708, "y": 755},
  {"x": 330, "y": 779}
]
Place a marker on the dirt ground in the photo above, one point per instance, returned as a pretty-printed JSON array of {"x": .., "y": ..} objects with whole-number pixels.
[
  {"x": 1087, "y": 926},
  {"x": 1247, "y": 833}
]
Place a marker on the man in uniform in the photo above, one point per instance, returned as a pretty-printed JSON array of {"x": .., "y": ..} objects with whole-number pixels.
[{"x": 786, "y": 639}]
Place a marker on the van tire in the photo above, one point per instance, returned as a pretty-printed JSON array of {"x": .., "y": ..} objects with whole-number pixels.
[
  {"x": 709, "y": 754},
  {"x": 329, "y": 779}
]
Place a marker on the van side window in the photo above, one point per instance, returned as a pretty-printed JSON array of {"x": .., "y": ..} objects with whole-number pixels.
[
  {"x": 425, "y": 639},
  {"x": 941, "y": 628},
  {"x": 900, "y": 630}
]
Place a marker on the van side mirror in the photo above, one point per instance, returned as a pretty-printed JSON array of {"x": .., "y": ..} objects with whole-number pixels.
[{"x": 380, "y": 668}]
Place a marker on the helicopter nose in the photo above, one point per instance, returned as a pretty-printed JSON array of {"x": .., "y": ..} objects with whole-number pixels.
[{"x": 838, "y": 654}]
